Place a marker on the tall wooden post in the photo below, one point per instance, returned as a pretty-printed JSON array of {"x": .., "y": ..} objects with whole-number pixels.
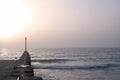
[{"x": 25, "y": 43}]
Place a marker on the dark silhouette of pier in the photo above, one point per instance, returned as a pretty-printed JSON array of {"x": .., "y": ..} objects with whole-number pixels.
[{"x": 18, "y": 70}]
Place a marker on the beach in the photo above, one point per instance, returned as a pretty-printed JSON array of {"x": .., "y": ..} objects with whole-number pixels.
[{"x": 6, "y": 67}]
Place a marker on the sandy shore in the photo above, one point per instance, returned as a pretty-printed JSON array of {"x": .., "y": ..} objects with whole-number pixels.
[{"x": 6, "y": 67}]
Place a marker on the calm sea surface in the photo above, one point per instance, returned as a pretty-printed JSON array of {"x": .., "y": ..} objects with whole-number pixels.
[{"x": 72, "y": 63}]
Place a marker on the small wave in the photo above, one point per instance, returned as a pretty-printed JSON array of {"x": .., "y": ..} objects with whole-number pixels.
[
  {"x": 89, "y": 67},
  {"x": 51, "y": 60}
]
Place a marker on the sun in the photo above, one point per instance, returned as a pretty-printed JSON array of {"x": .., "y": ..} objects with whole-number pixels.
[{"x": 15, "y": 17}]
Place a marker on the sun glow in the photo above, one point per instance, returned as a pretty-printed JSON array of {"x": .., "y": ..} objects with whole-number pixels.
[{"x": 15, "y": 17}]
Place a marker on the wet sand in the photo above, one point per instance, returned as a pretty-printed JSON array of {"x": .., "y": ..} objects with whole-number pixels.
[{"x": 6, "y": 68}]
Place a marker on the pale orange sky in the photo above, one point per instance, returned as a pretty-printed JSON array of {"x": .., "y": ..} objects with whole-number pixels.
[{"x": 69, "y": 24}]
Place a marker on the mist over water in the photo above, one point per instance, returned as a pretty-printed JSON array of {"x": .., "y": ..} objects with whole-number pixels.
[
  {"x": 71, "y": 63},
  {"x": 66, "y": 24}
]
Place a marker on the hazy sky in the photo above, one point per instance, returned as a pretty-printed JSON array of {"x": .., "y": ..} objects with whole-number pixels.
[{"x": 70, "y": 24}]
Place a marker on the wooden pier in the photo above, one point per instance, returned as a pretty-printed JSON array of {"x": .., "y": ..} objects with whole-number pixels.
[{"x": 18, "y": 69}]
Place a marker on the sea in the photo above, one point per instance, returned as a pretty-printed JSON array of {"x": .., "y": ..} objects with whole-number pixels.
[{"x": 71, "y": 63}]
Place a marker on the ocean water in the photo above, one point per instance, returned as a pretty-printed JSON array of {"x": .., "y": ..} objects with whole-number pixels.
[{"x": 71, "y": 63}]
